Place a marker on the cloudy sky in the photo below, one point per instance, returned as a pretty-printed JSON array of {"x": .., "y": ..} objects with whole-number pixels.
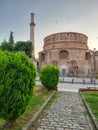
[{"x": 51, "y": 16}]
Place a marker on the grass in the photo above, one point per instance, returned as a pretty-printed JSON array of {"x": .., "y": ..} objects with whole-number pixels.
[
  {"x": 39, "y": 97},
  {"x": 92, "y": 99},
  {"x": 36, "y": 123}
]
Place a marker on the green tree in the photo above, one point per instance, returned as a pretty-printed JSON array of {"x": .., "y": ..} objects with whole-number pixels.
[
  {"x": 24, "y": 47},
  {"x": 6, "y": 46},
  {"x": 29, "y": 48},
  {"x": 17, "y": 80},
  {"x": 11, "y": 39},
  {"x": 49, "y": 76}
]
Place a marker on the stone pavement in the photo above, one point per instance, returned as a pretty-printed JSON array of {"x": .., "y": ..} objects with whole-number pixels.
[
  {"x": 67, "y": 112},
  {"x": 73, "y": 87}
]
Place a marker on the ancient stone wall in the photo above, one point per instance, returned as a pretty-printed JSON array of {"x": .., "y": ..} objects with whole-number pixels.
[
  {"x": 75, "y": 44},
  {"x": 66, "y": 36}
]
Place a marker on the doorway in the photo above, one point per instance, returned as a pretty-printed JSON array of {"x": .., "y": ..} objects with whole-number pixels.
[{"x": 63, "y": 73}]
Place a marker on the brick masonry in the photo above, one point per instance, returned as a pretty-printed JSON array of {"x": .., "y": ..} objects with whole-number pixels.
[{"x": 79, "y": 60}]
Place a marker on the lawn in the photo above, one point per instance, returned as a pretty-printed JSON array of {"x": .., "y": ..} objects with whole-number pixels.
[
  {"x": 92, "y": 99},
  {"x": 39, "y": 97}
]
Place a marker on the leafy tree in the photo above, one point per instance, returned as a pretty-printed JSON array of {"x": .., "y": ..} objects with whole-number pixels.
[
  {"x": 17, "y": 79},
  {"x": 29, "y": 48},
  {"x": 11, "y": 39},
  {"x": 20, "y": 46},
  {"x": 49, "y": 76},
  {"x": 7, "y": 46},
  {"x": 25, "y": 47}
]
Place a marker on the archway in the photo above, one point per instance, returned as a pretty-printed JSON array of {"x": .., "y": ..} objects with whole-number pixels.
[
  {"x": 63, "y": 70},
  {"x": 63, "y": 73}
]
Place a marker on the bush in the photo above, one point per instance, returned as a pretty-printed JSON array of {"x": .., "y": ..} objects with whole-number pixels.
[
  {"x": 49, "y": 76},
  {"x": 17, "y": 74}
]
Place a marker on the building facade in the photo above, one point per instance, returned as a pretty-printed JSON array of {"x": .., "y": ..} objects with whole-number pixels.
[{"x": 68, "y": 51}]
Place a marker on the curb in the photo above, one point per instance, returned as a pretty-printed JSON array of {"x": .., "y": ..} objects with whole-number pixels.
[
  {"x": 89, "y": 112},
  {"x": 29, "y": 123}
]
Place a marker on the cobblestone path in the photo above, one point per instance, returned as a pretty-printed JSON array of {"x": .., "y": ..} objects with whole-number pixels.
[{"x": 67, "y": 112}]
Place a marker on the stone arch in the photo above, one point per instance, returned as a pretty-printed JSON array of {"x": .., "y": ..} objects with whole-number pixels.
[{"x": 63, "y": 70}]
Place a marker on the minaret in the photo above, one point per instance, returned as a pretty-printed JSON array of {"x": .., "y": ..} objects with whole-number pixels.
[{"x": 32, "y": 24}]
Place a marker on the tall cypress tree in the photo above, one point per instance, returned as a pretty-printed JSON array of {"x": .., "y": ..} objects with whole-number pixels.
[{"x": 11, "y": 39}]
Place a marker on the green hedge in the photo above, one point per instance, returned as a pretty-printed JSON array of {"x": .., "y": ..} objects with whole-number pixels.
[
  {"x": 17, "y": 79},
  {"x": 49, "y": 76}
]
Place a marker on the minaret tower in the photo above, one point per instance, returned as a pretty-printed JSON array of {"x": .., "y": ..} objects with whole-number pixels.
[{"x": 32, "y": 24}]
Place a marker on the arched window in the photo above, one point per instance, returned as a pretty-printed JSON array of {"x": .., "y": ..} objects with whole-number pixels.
[
  {"x": 87, "y": 56},
  {"x": 42, "y": 57},
  {"x": 63, "y": 54}
]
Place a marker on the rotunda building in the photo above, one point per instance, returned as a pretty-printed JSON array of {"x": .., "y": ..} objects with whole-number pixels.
[{"x": 68, "y": 51}]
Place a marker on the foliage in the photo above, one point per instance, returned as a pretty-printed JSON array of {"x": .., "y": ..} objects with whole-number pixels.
[
  {"x": 17, "y": 74},
  {"x": 36, "y": 101},
  {"x": 7, "y": 46},
  {"x": 49, "y": 76},
  {"x": 25, "y": 47},
  {"x": 11, "y": 39}
]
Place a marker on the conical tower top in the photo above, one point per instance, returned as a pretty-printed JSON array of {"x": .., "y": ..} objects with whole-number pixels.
[{"x": 32, "y": 19}]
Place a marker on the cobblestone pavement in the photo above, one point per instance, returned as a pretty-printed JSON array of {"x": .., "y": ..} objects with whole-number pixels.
[{"x": 67, "y": 112}]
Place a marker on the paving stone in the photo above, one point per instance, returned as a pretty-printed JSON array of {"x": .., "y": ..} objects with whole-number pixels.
[
  {"x": 39, "y": 129},
  {"x": 66, "y": 113},
  {"x": 59, "y": 128}
]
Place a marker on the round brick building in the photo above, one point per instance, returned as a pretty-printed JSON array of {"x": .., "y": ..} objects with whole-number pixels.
[{"x": 68, "y": 51}]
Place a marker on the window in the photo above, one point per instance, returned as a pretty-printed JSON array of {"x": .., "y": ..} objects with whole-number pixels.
[
  {"x": 42, "y": 57},
  {"x": 87, "y": 56},
  {"x": 63, "y": 54}
]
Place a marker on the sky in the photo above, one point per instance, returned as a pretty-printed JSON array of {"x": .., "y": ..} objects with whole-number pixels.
[{"x": 51, "y": 16}]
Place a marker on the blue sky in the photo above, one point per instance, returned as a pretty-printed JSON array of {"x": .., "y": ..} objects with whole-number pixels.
[{"x": 51, "y": 16}]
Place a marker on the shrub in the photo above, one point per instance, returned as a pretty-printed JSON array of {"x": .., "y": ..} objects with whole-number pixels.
[
  {"x": 49, "y": 76},
  {"x": 17, "y": 74}
]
